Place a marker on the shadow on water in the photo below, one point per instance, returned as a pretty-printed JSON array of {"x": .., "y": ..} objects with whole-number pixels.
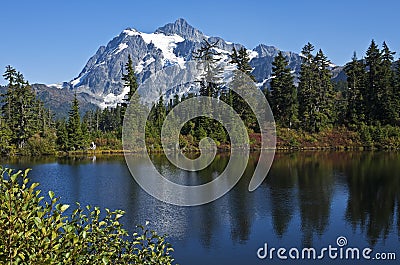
[
  {"x": 308, "y": 181},
  {"x": 373, "y": 181}
]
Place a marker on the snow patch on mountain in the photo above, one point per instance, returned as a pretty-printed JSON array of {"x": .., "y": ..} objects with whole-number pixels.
[
  {"x": 131, "y": 32},
  {"x": 224, "y": 54},
  {"x": 100, "y": 64},
  {"x": 166, "y": 43},
  {"x": 252, "y": 54},
  {"x": 111, "y": 100},
  {"x": 121, "y": 47},
  {"x": 261, "y": 85},
  {"x": 58, "y": 85},
  {"x": 139, "y": 68},
  {"x": 76, "y": 81}
]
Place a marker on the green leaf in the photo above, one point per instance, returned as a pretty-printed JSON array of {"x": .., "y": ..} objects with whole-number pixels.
[
  {"x": 105, "y": 260},
  {"x": 21, "y": 255},
  {"x": 53, "y": 235},
  {"x": 64, "y": 207},
  {"x": 26, "y": 172},
  {"x": 51, "y": 194},
  {"x": 37, "y": 221},
  {"x": 15, "y": 176}
]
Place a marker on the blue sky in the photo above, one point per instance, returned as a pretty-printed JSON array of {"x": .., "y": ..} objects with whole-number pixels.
[{"x": 50, "y": 41}]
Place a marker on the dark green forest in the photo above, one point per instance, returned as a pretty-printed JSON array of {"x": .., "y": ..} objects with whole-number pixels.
[{"x": 310, "y": 110}]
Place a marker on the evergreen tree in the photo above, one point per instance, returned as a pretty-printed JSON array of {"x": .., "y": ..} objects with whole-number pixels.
[
  {"x": 160, "y": 114},
  {"x": 155, "y": 122},
  {"x": 241, "y": 60},
  {"x": 118, "y": 121},
  {"x": 316, "y": 95},
  {"x": 386, "y": 83},
  {"x": 340, "y": 89},
  {"x": 173, "y": 102},
  {"x": 324, "y": 102},
  {"x": 129, "y": 81},
  {"x": 85, "y": 134},
  {"x": 373, "y": 93},
  {"x": 306, "y": 91},
  {"x": 90, "y": 119},
  {"x": 20, "y": 109},
  {"x": 62, "y": 136},
  {"x": 234, "y": 56},
  {"x": 356, "y": 105},
  {"x": 189, "y": 127},
  {"x": 396, "y": 87},
  {"x": 210, "y": 81},
  {"x": 6, "y": 146},
  {"x": 110, "y": 120},
  {"x": 74, "y": 127},
  {"x": 208, "y": 59},
  {"x": 9, "y": 97},
  {"x": 283, "y": 95}
]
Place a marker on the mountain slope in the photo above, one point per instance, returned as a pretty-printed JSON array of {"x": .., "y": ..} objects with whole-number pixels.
[{"x": 59, "y": 100}]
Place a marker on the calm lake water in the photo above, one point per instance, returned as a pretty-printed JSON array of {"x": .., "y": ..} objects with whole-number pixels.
[{"x": 308, "y": 200}]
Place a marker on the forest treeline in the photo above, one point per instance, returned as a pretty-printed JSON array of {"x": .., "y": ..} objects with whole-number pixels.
[{"x": 311, "y": 110}]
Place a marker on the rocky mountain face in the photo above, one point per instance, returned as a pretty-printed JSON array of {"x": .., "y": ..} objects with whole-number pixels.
[
  {"x": 172, "y": 44},
  {"x": 100, "y": 82},
  {"x": 262, "y": 62}
]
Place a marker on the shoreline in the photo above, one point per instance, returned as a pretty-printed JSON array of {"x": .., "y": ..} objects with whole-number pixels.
[{"x": 219, "y": 151}]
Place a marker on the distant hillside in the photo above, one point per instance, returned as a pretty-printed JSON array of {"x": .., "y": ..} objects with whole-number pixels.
[{"x": 59, "y": 101}]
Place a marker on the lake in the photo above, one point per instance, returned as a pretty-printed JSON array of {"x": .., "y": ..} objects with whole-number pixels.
[{"x": 308, "y": 200}]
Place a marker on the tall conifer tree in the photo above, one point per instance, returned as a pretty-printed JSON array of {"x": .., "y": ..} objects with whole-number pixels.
[
  {"x": 242, "y": 61},
  {"x": 130, "y": 81},
  {"x": 74, "y": 127},
  {"x": 396, "y": 92},
  {"x": 373, "y": 93},
  {"x": 356, "y": 105},
  {"x": 208, "y": 58},
  {"x": 20, "y": 109},
  {"x": 306, "y": 91},
  {"x": 389, "y": 114},
  {"x": 324, "y": 101},
  {"x": 283, "y": 95},
  {"x": 316, "y": 95}
]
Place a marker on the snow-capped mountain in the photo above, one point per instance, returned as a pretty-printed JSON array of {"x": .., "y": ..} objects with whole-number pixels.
[{"x": 172, "y": 44}]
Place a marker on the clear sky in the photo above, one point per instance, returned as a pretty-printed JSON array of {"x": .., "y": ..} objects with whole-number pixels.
[{"x": 50, "y": 41}]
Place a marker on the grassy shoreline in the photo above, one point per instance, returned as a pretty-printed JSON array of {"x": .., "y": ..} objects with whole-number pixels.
[{"x": 368, "y": 138}]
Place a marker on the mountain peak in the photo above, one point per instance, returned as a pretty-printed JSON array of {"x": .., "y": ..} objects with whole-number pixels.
[
  {"x": 181, "y": 21},
  {"x": 266, "y": 50},
  {"x": 182, "y": 28}
]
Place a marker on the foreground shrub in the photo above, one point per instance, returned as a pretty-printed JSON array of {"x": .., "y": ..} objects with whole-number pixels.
[{"x": 33, "y": 231}]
